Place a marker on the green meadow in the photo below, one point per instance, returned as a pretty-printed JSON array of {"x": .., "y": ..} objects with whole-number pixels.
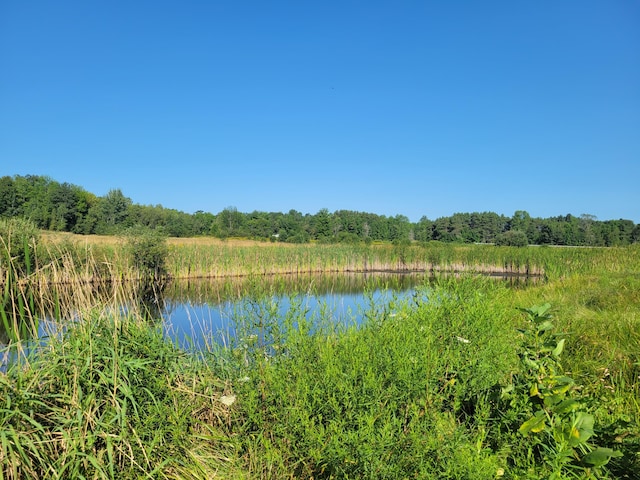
[{"x": 470, "y": 378}]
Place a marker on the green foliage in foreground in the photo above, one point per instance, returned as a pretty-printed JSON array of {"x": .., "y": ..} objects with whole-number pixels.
[
  {"x": 394, "y": 399},
  {"x": 442, "y": 388},
  {"x": 449, "y": 384},
  {"x": 561, "y": 429},
  {"x": 109, "y": 398}
]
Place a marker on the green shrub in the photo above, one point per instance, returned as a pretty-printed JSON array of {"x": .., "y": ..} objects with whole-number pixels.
[
  {"x": 149, "y": 252},
  {"x": 512, "y": 238},
  {"x": 18, "y": 242},
  {"x": 546, "y": 406}
]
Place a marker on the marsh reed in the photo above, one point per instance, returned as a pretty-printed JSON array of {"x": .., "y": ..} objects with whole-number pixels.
[{"x": 221, "y": 260}]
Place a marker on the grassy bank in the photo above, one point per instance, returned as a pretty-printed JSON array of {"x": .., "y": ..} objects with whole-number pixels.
[
  {"x": 454, "y": 383},
  {"x": 111, "y": 398},
  {"x": 441, "y": 388}
]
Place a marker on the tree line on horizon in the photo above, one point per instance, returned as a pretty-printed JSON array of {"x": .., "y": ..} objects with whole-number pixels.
[{"x": 64, "y": 207}]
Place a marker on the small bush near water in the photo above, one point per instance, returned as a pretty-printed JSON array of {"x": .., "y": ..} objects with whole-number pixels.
[{"x": 149, "y": 252}]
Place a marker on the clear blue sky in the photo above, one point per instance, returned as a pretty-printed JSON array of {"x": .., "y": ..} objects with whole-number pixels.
[{"x": 405, "y": 107}]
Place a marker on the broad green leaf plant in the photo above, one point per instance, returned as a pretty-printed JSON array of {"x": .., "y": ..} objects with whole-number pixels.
[{"x": 559, "y": 425}]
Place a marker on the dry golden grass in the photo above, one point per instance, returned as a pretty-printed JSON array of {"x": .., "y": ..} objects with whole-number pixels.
[
  {"x": 56, "y": 238},
  {"x": 230, "y": 242},
  {"x": 62, "y": 237}
]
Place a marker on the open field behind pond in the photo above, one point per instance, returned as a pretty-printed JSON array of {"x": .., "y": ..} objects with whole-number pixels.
[{"x": 456, "y": 383}]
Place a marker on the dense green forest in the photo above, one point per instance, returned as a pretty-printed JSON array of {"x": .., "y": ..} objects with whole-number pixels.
[{"x": 65, "y": 207}]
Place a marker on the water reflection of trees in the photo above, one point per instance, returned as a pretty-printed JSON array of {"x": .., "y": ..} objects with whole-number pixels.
[
  {"x": 219, "y": 290},
  {"x": 67, "y": 302}
]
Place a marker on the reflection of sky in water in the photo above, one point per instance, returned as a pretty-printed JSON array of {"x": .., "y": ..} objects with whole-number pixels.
[
  {"x": 197, "y": 313},
  {"x": 197, "y": 325}
]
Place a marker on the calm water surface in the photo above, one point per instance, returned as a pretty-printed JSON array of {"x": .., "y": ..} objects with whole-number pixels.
[{"x": 204, "y": 312}]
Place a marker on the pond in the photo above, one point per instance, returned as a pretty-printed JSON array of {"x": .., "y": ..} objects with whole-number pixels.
[
  {"x": 197, "y": 314},
  {"x": 200, "y": 313}
]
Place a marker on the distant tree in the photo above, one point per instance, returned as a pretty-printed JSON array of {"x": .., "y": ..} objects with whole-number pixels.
[
  {"x": 586, "y": 227},
  {"x": 8, "y": 199},
  {"x": 626, "y": 228},
  {"x": 64, "y": 200},
  {"x": 489, "y": 225},
  {"x": 399, "y": 228},
  {"x": 512, "y": 238},
  {"x": 62, "y": 206},
  {"x": 520, "y": 220},
  {"x": 423, "y": 229},
  {"x": 32, "y": 195},
  {"x": 611, "y": 233},
  {"x": 203, "y": 223},
  {"x": 230, "y": 222},
  {"x": 380, "y": 228},
  {"x": 260, "y": 225},
  {"x": 85, "y": 200},
  {"x": 635, "y": 235},
  {"x": 443, "y": 230},
  {"x": 617, "y": 232},
  {"x": 290, "y": 227},
  {"x": 112, "y": 211},
  {"x": 572, "y": 233},
  {"x": 178, "y": 224},
  {"x": 459, "y": 228},
  {"x": 321, "y": 225}
]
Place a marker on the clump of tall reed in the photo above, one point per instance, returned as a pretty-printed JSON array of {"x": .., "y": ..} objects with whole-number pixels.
[
  {"x": 64, "y": 279},
  {"x": 222, "y": 260},
  {"x": 109, "y": 397},
  {"x": 97, "y": 391},
  {"x": 210, "y": 258},
  {"x": 18, "y": 262}
]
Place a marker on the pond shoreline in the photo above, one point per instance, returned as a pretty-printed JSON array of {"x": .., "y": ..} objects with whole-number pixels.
[{"x": 432, "y": 270}]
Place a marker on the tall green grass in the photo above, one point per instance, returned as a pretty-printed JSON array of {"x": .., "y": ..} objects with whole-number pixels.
[
  {"x": 93, "y": 261},
  {"x": 419, "y": 391},
  {"x": 111, "y": 398},
  {"x": 18, "y": 264},
  {"x": 387, "y": 400}
]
